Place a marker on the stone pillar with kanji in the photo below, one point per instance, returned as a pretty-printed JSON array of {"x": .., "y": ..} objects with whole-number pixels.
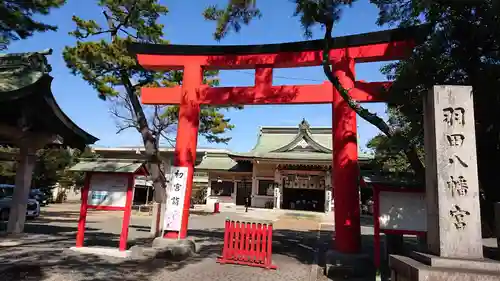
[{"x": 455, "y": 246}]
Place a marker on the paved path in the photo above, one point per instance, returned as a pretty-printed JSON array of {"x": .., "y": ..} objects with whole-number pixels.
[{"x": 43, "y": 253}]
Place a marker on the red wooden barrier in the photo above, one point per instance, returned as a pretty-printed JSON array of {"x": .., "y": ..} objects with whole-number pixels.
[{"x": 248, "y": 243}]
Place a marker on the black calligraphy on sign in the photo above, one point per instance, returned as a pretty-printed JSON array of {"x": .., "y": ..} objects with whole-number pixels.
[
  {"x": 458, "y": 215},
  {"x": 458, "y": 186},
  {"x": 454, "y": 116},
  {"x": 178, "y": 174},
  {"x": 177, "y": 187},
  {"x": 455, "y": 140},
  {"x": 175, "y": 201},
  {"x": 456, "y": 159}
]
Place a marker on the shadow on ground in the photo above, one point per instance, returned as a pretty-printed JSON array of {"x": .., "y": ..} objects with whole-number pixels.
[{"x": 42, "y": 253}]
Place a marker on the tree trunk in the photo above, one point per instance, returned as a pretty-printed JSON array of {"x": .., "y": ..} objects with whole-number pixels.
[
  {"x": 150, "y": 141},
  {"x": 152, "y": 154}
]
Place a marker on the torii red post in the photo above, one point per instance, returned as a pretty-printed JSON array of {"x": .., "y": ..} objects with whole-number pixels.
[{"x": 370, "y": 47}]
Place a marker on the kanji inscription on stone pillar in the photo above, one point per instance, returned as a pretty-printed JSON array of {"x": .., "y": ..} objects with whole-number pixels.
[{"x": 452, "y": 189}]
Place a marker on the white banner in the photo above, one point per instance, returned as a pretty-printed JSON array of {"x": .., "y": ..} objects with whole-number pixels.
[
  {"x": 108, "y": 190},
  {"x": 176, "y": 192}
]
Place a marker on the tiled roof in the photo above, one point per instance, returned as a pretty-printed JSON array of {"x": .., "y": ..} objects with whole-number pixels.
[
  {"x": 301, "y": 143},
  {"x": 221, "y": 162},
  {"x": 110, "y": 166}
]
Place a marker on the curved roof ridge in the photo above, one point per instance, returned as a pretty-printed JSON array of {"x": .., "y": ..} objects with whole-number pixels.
[
  {"x": 304, "y": 132},
  {"x": 259, "y": 135},
  {"x": 59, "y": 113}
]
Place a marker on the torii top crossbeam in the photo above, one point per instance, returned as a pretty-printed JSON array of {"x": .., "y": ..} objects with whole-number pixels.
[{"x": 386, "y": 45}]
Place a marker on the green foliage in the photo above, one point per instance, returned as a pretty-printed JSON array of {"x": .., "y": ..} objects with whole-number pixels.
[
  {"x": 101, "y": 58},
  {"x": 17, "y": 22},
  {"x": 312, "y": 12},
  {"x": 70, "y": 179},
  {"x": 8, "y": 164},
  {"x": 51, "y": 166},
  {"x": 461, "y": 49},
  {"x": 238, "y": 12},
  {"x": 388, "y": 156}
]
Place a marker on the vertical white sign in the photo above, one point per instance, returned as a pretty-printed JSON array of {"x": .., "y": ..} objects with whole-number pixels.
[
  {"x": 277, "y": 199},
  {"x": 328, "y": 201},
  {"x": 176, "y": 192}
]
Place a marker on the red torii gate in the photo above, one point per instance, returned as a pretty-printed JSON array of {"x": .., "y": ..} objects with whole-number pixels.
[{"x": 387, "y": 45}]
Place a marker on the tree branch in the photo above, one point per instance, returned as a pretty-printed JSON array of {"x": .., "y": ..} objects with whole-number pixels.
[{"x": 409, "y": 149}]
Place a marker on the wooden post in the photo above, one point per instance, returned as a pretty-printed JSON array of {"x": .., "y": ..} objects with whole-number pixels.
[
  {"x": 26, "y": 164},
  {"x": 127, "y": 213}
]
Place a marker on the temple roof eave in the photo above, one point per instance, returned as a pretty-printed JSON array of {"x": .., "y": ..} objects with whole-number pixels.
[
  {"x": 28, "y": 89},
  {"x": 59, "y": 113},
  {"x": 284, "y": 156}
]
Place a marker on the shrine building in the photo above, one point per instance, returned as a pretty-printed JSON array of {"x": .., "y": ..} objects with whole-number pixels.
[{"x": 289, "y": 168}]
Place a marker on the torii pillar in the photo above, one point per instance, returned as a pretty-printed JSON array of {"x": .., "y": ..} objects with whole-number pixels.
[
  {"x": 369, "y": 47},
  {"x": 345, "y": 168}
]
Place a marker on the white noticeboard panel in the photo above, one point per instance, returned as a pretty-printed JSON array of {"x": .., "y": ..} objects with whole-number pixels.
[
  {"x": 108, "y": 190},
  {"x": 402, "y": 211},
  {"x": 176, "y": 192}
]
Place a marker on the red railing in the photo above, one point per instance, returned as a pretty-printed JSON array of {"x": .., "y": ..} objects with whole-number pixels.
[{"x": 248, "y": 243}]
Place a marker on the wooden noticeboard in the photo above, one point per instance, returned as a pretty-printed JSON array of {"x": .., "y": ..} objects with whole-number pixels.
[{"x": 405, "y": 211}]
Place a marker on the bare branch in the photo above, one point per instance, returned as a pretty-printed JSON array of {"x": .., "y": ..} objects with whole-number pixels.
[
  {"x": 166, "y": 137},
  {"x": 143, "y": 83},
  {"x": 88, "y": 34},
  {"x": 122, "y": 112},
  {"x": 125, "y": 118},
  {"x": 129, "y": 34}
]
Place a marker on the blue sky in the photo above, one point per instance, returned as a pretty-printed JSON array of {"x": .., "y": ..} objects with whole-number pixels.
[{"x": 185, "y": 25}]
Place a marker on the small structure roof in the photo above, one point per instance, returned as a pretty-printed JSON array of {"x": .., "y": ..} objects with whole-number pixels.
[
  {"x": 220, "y": 161},
  {"x": 103, "y": 165},
  {"x": 27, "y": 102}
]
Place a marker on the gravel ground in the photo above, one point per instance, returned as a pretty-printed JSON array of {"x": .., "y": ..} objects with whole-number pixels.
[{"x": 43, "y": 253}]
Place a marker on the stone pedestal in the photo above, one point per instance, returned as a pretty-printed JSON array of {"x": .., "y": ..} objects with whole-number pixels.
[
  {"x": 427, "y": 267},
  {"x": 340, "y": 265},
  {"x": 452, "y": 195},
  {"x": 102, "y": 251},
  {"x": 163, "y": 248}
]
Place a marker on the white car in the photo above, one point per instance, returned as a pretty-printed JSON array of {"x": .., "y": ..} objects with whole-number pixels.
[{"x": 6, "y": 191}]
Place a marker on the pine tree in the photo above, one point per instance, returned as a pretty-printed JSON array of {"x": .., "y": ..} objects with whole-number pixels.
[{"x": 101, "y": 58}]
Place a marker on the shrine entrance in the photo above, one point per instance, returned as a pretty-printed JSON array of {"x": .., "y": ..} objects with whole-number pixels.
[
  {"x": 243, "y": 190},
  {"x": 346, "y": 51},
  {"x": 303, "y": 199},
  {"x": 304, "y": 192}
]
